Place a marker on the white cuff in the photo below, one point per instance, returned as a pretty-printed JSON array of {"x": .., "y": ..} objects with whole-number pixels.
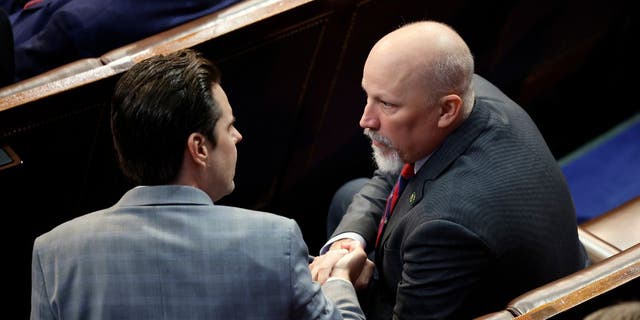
[
  {"x": 346, "y": 235},
  {"x": 338, "y": 279}
]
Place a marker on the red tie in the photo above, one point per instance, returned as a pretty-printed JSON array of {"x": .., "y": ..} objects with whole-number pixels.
[
  {"x": 406, "y": 174},
  {"x": 31, "y": 4}
]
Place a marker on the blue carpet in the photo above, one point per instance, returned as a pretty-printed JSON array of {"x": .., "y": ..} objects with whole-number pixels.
[{"x": 605, "y": 173}]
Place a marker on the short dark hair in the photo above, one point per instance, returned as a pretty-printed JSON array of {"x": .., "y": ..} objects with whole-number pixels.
[{"x": 156, "y": 105}]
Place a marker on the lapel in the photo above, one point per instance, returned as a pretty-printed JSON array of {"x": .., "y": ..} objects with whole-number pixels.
[{"x": 451, "y": 149}]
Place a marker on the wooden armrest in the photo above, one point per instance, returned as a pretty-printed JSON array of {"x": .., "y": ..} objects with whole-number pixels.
[
  {"x": 567, "y": 292},
  {"x": 619, "y": 227},
  {"x": 597, "y": 249}
]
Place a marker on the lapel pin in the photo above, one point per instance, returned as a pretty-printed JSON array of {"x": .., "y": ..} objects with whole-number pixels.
[{"x": 412, "y": 198}]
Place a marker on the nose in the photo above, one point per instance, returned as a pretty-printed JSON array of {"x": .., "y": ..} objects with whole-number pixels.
[
  {"x": 238, "y": 136},
  {"x": 369, "y": 118}
]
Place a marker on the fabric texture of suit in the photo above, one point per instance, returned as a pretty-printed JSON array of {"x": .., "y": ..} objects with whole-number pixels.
[
  {"x": 488, "y": 217},
  {"x": 167, "y": 252},
  {"x": 54, "y": 32}
]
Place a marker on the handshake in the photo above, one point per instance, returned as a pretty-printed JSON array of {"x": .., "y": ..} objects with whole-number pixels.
[{"x": 345, "y": 260}]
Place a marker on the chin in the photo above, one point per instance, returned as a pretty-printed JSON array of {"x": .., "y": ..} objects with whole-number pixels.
[
  {"x": 230, "y": 188},
  {"x": 388, "y": 161}
]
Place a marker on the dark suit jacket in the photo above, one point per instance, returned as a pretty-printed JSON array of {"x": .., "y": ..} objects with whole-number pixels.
[
  {"x": 54, "y": 32},
  {"x": 488, "y": 217},
  {"x": 167, "y": 252},
  {"x": 11, "y": 6}
]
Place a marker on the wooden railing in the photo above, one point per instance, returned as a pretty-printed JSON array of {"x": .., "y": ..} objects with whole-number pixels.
[
  {"x": 573, "y": 290},
  {"x": 89, "y": 70}
]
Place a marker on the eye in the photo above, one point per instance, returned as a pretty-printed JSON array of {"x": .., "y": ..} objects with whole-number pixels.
[{"x": 386, "y": 105}]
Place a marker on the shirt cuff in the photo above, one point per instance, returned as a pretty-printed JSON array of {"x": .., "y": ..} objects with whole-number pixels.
[
  {"x": 338, "y": 279},
  {"x": 346, "y": 235}
]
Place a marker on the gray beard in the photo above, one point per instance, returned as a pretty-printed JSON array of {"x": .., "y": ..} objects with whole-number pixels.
[{"x": 391, "y": 163}]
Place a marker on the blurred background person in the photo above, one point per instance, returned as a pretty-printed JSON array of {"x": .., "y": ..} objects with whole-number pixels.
[{"x": 50, "y": 33}]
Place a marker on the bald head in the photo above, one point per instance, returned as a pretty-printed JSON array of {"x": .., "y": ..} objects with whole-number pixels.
[
  {"x": 428, "y": 34},
  {"x": 432, "y": 51}
]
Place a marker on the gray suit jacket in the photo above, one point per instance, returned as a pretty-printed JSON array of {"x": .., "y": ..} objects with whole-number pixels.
[
  {"x": 166, "y": 252},
  {"x": 488, "y": 217}
]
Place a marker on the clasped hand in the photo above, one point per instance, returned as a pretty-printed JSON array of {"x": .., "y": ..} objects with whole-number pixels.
[{"x": 346, "y": 260}]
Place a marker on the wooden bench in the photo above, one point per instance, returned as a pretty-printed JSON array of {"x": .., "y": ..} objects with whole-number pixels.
[{"x": 568, "y": 292}]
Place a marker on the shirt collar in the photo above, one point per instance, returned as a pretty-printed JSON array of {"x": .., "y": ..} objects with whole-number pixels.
[{"x": 418, "y": 164}]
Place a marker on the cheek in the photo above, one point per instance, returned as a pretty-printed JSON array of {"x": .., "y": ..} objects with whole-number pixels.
[
  {"x": 232, "y": 151},
  {"x": 408, "y": 135},
  {"x": 399, "y": 132}
]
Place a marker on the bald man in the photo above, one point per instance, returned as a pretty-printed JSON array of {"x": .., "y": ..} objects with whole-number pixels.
[{"x": 487, "y": 214}]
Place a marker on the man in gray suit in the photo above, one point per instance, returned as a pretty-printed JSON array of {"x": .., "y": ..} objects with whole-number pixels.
[
  {"x": 487, "y": 214},
  {"x": 165, "y": 251}
]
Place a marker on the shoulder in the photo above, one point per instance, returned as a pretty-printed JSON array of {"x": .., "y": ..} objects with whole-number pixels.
[
  {"x": 268, "y": 236},
  {"x": 269, "y": 224},
  {"x": 255, "y": 216},
  {"x": 487, "y": 90},
  {"x": 71, "y": 231}
]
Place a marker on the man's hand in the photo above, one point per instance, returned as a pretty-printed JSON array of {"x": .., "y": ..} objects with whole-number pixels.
[
  {"x": 345, "y": 259},
  {"x": 322, "y": 265},
  {"x": 344, "y": 244},
  {"x": 365, "y": 275},
  {"x": 350, "y": 266}
]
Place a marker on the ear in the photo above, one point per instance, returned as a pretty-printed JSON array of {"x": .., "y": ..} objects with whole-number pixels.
[
  {"x": 450, "y": 110},
  {"x": 197, "y": 148}
]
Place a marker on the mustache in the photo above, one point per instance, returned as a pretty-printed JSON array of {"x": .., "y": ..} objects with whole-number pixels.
[{"x": 378, "y": 138}]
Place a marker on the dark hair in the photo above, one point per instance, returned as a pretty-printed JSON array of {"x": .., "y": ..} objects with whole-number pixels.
[{"x": 156, "y": 105}]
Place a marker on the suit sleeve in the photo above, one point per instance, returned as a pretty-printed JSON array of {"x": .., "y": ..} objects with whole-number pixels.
[
  {"x": 40, "y": 308},
  {"x": 367, "y": 207},
  {"x": 309, "y": 301},
  {"x": 343, "y": 295},
  {"x": 441, "y": 262}
]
